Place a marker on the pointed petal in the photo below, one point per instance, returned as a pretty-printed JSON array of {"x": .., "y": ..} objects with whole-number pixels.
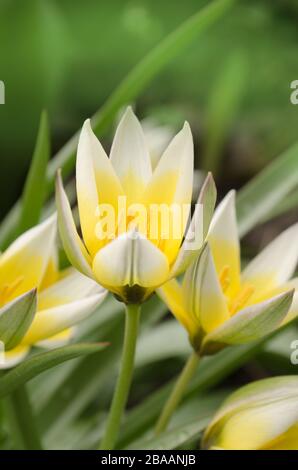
[
  {"x": 51, "y": 274},
  {"x": 224, "y": 240},
  {"x": 13, "y": 357},
  {"x": 276, "y": 263},
  {"x": 130, "y": 157},
  {"x": 202, "y": 292},
  {"x": 250, "y": 324},
  {"x": 72, "y": 286},
  {"x": 51, "y": 321},
  {"x": 24, "y": 263},
  {"x": 73, "y": 246},
  {"x": 198, "y": 228},
  {"x": 157, "y": 138},
  {"x": 172, "y": 295},
  {"x": 293, "y": 310},
  {"x": 58, "y": 340},
  {"x": 97, "y": 184},
  {"x": 16, "y": 317},
  {"x": 171, "y": 185},
  {"x": 130, "y": 260}
]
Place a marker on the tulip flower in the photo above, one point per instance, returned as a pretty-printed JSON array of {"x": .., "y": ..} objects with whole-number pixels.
[
  {"x": 220, "y": 306},
  {"x": 125, "y": 255},
  {"x": 39, "y": 305},
  {"x": 132, "y": 262},
  {"x": 260, "y": 416}
]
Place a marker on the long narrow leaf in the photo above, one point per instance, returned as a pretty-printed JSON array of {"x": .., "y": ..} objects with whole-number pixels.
[
  {"x": 41, "y": 362},
  {"x": 267, "y": 189},
  {"x": 34, "y": 189}
]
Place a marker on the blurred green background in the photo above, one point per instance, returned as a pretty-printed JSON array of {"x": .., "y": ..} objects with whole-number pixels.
[{"x": 233, "y": 84}]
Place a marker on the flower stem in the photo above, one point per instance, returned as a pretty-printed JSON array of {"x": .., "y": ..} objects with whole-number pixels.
[
  {"x": 21, "y": 420},
  {"x": 124, "y": 378},
  {"x": 177, "y": 392}
]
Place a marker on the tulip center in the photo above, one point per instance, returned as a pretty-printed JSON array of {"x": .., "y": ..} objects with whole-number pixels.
[
  {"x": 241, "y": 298},
  {"x": 7, "y": 290}
]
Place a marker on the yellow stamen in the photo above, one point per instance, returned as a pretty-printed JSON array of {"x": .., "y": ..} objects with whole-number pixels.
[
  {"x": 8, "y": 289},
  {"x": 241, "y": 299},
  {"x": 224, "y": 278}
]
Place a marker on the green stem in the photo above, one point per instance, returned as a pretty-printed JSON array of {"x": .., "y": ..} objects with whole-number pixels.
[
  {"x": 177, "y": 392},
  {"x": 124, "y": 378},
  {"x": 21, "y": 420}
]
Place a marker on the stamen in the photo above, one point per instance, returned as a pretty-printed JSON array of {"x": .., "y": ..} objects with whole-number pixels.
[
  {"x": 241, "y": 299},
  {"x": 224, "y": 278},
  {"x": 8, "y": 289}
]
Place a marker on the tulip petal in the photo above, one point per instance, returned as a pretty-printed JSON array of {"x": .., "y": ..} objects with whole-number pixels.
[
  {"x": 58, "y": 340},
  {"x": 72, "y": 286},
  {"x": 16, "y": 318},
  {"x": 97, "y": 184},
  {"x": 285, "y": 441},
  {"x": 256, "y": 427},
  {"x": 224, "y": 241},
  {"x": 202, "y": 292},
  {"x": 250, "y": 324},
  {"x": 198, "y": 228},
  {"x": 171, "y": 186},
  {"x": 13, "y": 357},
  {"x": 131, "y": 260},
  {"x": 73, "y": 246},
  {"x": 51, "y": 274},
  {"x": 157, "y": 139},
  {"x": 255, "y": 415},
  {"x": 51, "y": 321},
  {"x": 276, "y": 263},
  {"x": 23, "y": 264},
  {"x": 130, "y": 157},
  {"x": 172, "y": 295}
]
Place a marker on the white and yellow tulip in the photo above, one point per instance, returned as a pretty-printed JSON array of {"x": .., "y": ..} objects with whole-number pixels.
[
  {"x": 219, "y": 305},
  {"x": 29, "y": 267},
  {"x": 130, "y": 262},
  {"x": 260, "y": 416}
]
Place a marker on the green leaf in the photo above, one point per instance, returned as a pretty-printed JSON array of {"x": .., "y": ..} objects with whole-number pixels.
[
  {"x": 34, "y": 190},
  {"x": 250, "y": 324},
  {"x": 16, "y": 317},
  {"x": 43, "y": 361},
  {"x": 222, "y": 109},
  {"x": 268, "y": 188},
  {"x": 135, "y": 82},
  {"x": 207, "y": 197},
  {"x": 175, "y": 438}
]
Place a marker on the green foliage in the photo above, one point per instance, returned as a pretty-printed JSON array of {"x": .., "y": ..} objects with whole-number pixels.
[{"x": 34, "y": 190}]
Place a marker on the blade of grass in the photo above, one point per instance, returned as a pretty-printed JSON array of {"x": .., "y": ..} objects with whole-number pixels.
[
  {"x": 222, "y": 109},
  {"x": 286, "y": 205},
  {"x": 34, "y": 190},
  {"x": 135, "y": 82},
  {"x": 40, "y": 362},
  {"x": 268, "y": 188}
]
